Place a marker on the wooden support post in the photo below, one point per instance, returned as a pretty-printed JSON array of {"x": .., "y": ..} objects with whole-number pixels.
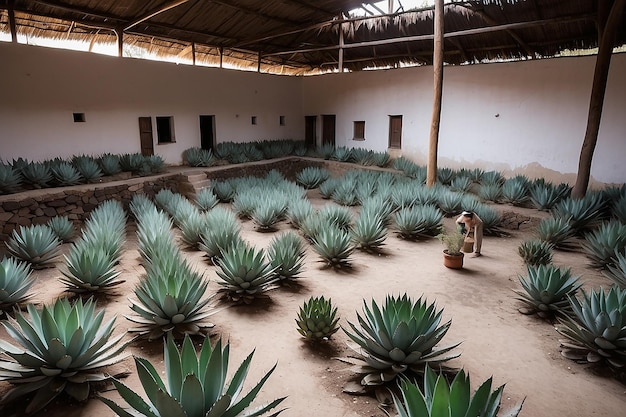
[
  {"x": 120, "y": 41},
  {"x": 258, "y": 63},
  {"x": 12, "y": 24},
  {"x": 221, "y": 57},
  {"x": 340, "y": 65},
  {"x": 193, "y": 53},
  {"x": 606, "y": 32},
  {"x": 431, "y": 168}
]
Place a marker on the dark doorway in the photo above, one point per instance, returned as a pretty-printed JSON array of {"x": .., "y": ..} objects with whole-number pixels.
[
  {"x": 310, "y": 128},
  {"x": 328, "y": 129},
  {"x": 395, "y": 132},
  {"x": 145, "y": 136},
  {"x": 207, "y": 132}
]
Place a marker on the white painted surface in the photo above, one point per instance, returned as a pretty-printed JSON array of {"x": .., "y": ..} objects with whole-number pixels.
[
  {"x": 527, "y": 117},
  {"x": 541, "y": 109},
  {"x": 42, "y": 87}
]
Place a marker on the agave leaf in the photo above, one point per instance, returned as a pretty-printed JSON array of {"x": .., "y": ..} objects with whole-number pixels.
[
  {"x": 240, "y": 405},
  {"x": 192, "y": 396}
]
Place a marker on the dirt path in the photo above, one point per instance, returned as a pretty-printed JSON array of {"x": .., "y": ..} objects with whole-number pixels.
[{"x": 519, "y": 351}]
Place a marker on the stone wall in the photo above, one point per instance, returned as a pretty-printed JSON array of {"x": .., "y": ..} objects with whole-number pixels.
[{"x": 39, "y": 206}]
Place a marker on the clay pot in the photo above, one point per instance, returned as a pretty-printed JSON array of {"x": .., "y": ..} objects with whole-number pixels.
[{"x": 452, "y": 261}]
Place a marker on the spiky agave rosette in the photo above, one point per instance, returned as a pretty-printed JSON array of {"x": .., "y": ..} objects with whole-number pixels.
[
  {"x": 398, "y": 339},
  {"x": 317, "y": 319},
  {"x": 171, "y": 299},
  {"x": 63, "y": 348}
]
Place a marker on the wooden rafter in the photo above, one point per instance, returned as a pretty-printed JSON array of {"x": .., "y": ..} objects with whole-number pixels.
[{"x": 155, "y": 12}]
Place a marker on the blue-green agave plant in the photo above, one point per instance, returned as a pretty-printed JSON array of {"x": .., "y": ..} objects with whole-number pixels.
[{"x": 195, "y": 387}]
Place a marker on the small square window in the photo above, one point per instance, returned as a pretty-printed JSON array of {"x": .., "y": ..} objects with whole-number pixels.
[
  {"x": 359, "y": 130},
  {"x": 253, "y": 119},
  {"x": 79, "y": 117},
  {"x": 165, "y": 129},
  {"x": 281, "y": 120}
]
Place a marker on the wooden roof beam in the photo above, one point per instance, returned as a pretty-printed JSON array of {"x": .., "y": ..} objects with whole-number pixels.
[
  {"x": 487, "y": 19},
  {"x": 428, "y": 37},
  {"x": 155, "y": 12},
  {"x": 253, "y": 12}
]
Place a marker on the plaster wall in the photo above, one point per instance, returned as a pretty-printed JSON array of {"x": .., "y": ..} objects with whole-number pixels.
[
  {"x": 525, "y": 117},
  {"x": 43, "y": 87}
]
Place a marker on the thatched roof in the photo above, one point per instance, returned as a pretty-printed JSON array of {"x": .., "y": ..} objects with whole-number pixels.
[{"x": 303, "y": 36}]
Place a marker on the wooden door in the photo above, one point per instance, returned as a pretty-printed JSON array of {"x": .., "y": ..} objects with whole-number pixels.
[
  {"x": 395, "y": 132},
  {"x": 145, "y": 136},
  {"x": 207, "y": 132},
  {"x": 310, "y": 128},
  {"x": 328, "y": 129}
]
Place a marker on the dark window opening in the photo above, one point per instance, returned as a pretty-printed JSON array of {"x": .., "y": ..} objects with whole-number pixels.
[
  {"x": 281, "y": 120},
  {"x": 79, "y": 117},
  {"x": 359, "y": 130},
  {"x": 253, "y": 119},
  {"x": 165, "y": 129}
]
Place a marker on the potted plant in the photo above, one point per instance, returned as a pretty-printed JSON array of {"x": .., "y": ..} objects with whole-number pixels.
[{"x": 452, "y": 254}]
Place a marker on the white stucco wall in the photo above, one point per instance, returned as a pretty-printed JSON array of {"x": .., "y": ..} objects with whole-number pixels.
[
  {"x": 541, "y": 106},
  {"x": 42, "y": 87},
  {"x": 527, "y": 117}
]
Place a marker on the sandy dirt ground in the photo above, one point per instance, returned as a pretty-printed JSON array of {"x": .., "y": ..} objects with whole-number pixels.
[{"x": 519, "y": 351}]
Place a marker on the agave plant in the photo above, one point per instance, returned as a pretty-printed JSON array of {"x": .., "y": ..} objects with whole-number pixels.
[
  {"x": 268, "y": 213},
  {"x": 286, "y": 255},
  {"x": 62, "y": 227},
  {"x": 492, "y": 177},
  {"x": 378, "y": 205},
  {"x": 381, "y": 159},
  {"x": 334, "y": 246},
  {"x": 65, "y": 174},
  {"x": 438, "y": 398},
  {"x": 596, "y": 332},
  {"x": 547, "y": 289},
  {"x": 619, "y": 209},
  {"x": 491, "y": 218},
  {"x": 63, "y": 348},
  {"x": 345, "y": 192},
  {"x": 170, "y": 300},
  {"x": 37, "y": 174},
  {"x": 398, "y": 339},
  {"x": 132, "y": 162},
  {"x": 317, "y": 319},
  {"x": 224, "y": 191},
  {"x": 418, "y": 221},
  {"x": 90, "y": 268},
  {"x": 10, "y": 179},
  {"x": 110, "y": 164},
  {"x": 87, "y": 167},
  {"x": 601, "y": 244},
  {"x": 339, "y": 216},
  {"x": 198, "y": 157},
  {"x": 490, "y": 192},
  {"x": 535, "y": 252},
  {"x": 36, "y": 244},
  {"x": 327, "y": 188},
  {"x": 245, "y": 273},
  {"x": 298, "y": 211},
  {"x": 342, "y": 154},
  {"x": 583, "y": 214},
  {"x": 558, "y": 232},
  {"x": 15, "y": 282},
  {"x": 445, "y": 175},
  {"x": 450, "y": 203},
  {"x": 515, "y": 191},
  {"x": 616, "y": 270},
  {"x": 369, "y": 232},
  {"x": 196, "y": 385},
  {"x": 191, "y": 229},
  {"x": 545, "y": 196},
  {"x": 221, "y": 231},
  {"x": 461, "y": 184},
  {"x": 312, "y": 177},
  {"x": 206, "y": 200}
]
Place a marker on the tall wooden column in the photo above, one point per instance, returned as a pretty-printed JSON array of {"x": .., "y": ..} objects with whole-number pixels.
[
  {"x": 12, "y": 25},
  {"x": 607, "y": 28},
  {"x": 431, "y": 168}
]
